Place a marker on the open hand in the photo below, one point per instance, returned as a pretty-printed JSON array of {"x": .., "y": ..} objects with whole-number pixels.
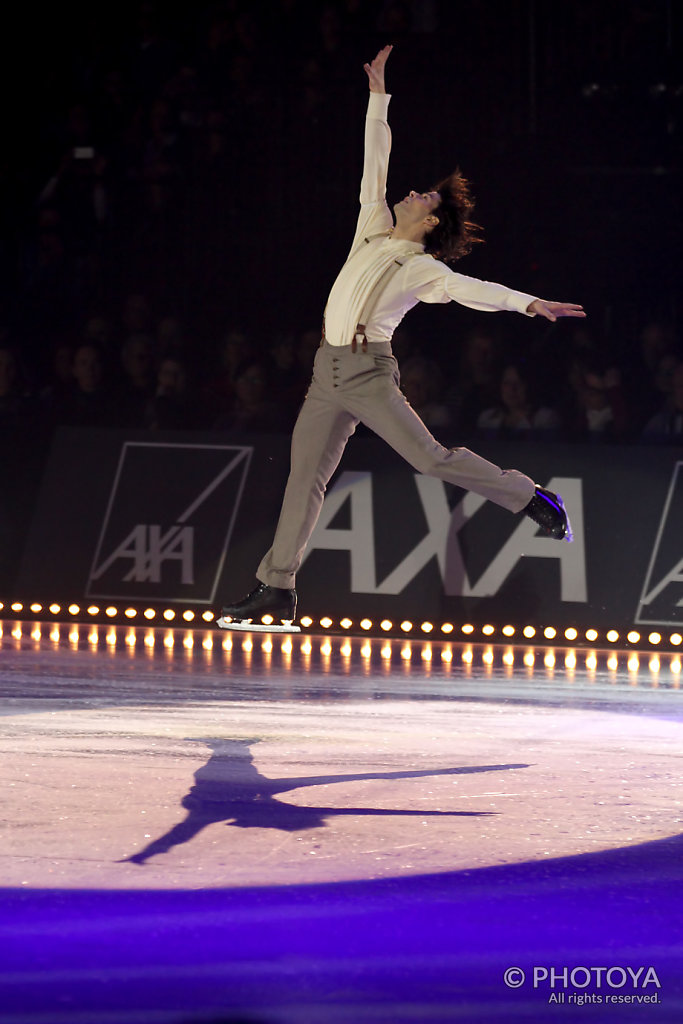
[
  {"x": 375, "y": 70},
  {"x": 553, "y": 310}
]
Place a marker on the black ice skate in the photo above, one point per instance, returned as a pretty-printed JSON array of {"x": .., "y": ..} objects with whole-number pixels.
[
  {"x": 547, "y": 511},
  {"x": 276, "y": 602}
]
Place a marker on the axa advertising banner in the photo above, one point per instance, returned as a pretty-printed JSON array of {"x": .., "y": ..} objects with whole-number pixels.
[{"x": 186, "y": 518}]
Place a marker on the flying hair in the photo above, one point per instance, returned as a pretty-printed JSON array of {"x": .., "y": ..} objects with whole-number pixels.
[{"x": 455, "y": 234}]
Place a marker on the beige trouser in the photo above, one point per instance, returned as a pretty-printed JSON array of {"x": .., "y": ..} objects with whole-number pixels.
[{"x": 349, "y": 387}]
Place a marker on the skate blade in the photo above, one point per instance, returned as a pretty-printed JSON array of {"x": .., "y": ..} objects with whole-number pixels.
[
  {"x": 257, "y": 627},
  {"x": 569, "y": 536}
]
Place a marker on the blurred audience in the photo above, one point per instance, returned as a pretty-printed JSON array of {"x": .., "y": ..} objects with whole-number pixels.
[
  {"x": 88, "y": 401},
  {"x": 599, "y": 411},
  {"x": 153, "y": 192},
  {"x": 667, "y": 424},
  {"x": 518, "y": 411},
  {"x": 422, "y": 384},
  {"x": 289, "y": 375},
  {"x": 137, "y": 379},
  {"x": 172, "y": 406},
  {"x": 475, "y": 386},
  {"x": 233, "y": 349},
  {"x": 650, "y": 374},
  {"x": 254, "y": 408}
]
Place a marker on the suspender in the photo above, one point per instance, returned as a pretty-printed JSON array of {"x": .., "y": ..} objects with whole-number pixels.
[
  {"x": 373, "y": 298},
  {"x": 374, "y": 295}
]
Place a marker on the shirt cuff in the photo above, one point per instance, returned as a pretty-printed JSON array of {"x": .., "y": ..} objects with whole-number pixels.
[
  {"x": 378, "y": 105},
  {"x": 522, "y": 301}
]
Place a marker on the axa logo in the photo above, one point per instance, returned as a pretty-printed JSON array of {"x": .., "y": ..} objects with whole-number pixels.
[
  {"x": 440, "y": 540},
  {"x": 148, "y": 547},
  {"x": 661, "y": 600},
  {"x": 167, "y": 528}
]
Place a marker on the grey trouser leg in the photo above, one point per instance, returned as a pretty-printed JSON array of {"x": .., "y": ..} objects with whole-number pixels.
[
  {"x": 349, "y": 387},
  {"x": 318, "y": 441}
]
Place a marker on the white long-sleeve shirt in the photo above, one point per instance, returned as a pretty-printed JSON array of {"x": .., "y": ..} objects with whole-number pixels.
[{"x": 421, "y": 279}]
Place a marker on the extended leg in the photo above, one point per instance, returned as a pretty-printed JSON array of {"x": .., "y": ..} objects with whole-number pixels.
[
  {"x": 392, "y": 418},
  {"x": 396, "y": 422}
]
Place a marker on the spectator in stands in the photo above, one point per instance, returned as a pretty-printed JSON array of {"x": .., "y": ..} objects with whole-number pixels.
[
  {"x": 651, "y": 376},
  {"x": 89, "y": 400},
  {"x": 137, "y": 385},
  {"x": 667, "y": 424},
  {"x": 656, "y": 340},
  {"x": 518, "y": 411},
  {"x": 289, "y": 379},
  {"x": 656, "y": 388},
  {"x": 476, "y": 385},
  {"x": 171, "y": 407},
  {"x": 254, "y": 408},
  {"x": 234, "y": 349},
  {"x": 422, "y": 384},
  {"x": 79, "y": 186},
  {"x": 600, "y": 407}
]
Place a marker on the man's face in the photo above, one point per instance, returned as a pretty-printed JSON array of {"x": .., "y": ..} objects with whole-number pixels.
[{"x": 416, "y": 207}]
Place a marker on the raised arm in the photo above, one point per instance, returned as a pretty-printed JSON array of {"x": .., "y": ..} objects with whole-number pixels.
[
  {"x": 375, "y": 70},
  {"x": 375, "y": 217}
]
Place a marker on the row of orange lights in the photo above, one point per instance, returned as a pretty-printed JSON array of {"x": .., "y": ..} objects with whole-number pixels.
[
  {"x": 111, "y": 611},
  {"x": 528, "y": 632},
  {"x": 448, "y": 629},
  {"x": 247, "y": 644}
]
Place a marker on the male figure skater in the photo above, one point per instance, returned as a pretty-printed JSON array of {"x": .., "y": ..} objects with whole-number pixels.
[{"x": 390, "y": 268}]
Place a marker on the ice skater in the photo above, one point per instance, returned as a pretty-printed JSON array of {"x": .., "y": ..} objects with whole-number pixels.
[{"x": 392, "y": 265}]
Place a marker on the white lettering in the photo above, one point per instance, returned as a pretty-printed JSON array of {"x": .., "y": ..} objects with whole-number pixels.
[
  {"x": 558, "y": 976},
  {"x": 599, "y": 971},
  {"x": 148, "y": 549},
  {"x": 359, "y": 540},
  {"x": 441, "y": 541},
  {"x": 586, "y": 977},
  {"x": 667, "y": 538},
  {"x": 675, "y": 575},
  {"x": 651, "y": 978}
]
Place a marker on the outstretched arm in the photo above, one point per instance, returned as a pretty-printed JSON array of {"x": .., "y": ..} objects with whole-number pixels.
[
  {"x": 375, "y": 70},
  {"x": 553, "y": 310},
  {"x": 375, "y": 217}
]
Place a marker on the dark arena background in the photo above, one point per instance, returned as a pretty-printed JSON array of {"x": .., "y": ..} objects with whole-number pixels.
[{"x": 455, "y": 794}]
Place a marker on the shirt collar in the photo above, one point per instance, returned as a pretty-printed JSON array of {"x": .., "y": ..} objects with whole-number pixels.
[{"x": 406, "y": 245}]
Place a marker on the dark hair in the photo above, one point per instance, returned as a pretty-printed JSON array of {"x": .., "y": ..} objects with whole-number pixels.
[{"x": 455, "y": 234}]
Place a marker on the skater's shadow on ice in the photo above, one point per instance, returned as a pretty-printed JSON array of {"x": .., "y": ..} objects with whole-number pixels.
[{"x": 230, "y": 788}]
